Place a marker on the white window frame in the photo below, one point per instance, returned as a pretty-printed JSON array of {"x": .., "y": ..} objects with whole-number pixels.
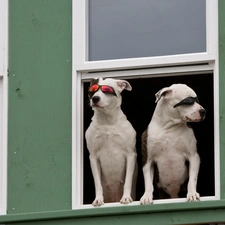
[
  {"x": 163, "y": 65},
  {"x": 3, "y": 103}
]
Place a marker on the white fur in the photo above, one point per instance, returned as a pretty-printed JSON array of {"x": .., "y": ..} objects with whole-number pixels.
[
  {"x": 171, "y": 142},
  {"x": 111, "y": 141}
]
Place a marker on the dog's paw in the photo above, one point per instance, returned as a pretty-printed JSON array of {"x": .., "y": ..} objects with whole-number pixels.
[
  {"x": 146, "y": 199},
  {"x": 193, "y": 196},
  {"x": 126, "y": 200},
  {"x": 98, "y": 201}
]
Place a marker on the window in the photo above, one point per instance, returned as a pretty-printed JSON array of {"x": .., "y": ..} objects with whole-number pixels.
[
  {"x": 3, "y": 103},
  {"x": 132, "y": 29},
  {"x": 182, "y": 49}
]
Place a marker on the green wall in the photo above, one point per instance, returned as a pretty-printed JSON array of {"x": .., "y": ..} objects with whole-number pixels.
[
  {"x": 39, "y": 135},
  {"x": 40, "y": 83}
]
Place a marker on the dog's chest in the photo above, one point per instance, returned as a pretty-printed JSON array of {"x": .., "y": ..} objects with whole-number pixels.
[
  {"x": 170, "y": 158},
  {"x": 177, "y": 142},
  {"x": 169, "y": 151},
  {"x": 110, "y": 148},
  {"x": 108, "y": 141}
]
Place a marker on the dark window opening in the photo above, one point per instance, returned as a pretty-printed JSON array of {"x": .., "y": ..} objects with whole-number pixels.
[{"x": 139, "y": 105}]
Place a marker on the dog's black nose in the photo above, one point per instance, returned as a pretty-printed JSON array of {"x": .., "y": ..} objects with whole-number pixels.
[
  {"x": 202, "y": 113},
  {"x": 95, "y": 99}
]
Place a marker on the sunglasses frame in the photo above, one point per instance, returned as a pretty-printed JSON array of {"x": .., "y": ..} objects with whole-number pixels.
[
  {"x": 100, "y": 86},
  {"x": 187, "y": 101}
]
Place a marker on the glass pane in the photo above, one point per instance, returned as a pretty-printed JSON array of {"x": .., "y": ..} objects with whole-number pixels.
[{"x": 142, "y": 28}]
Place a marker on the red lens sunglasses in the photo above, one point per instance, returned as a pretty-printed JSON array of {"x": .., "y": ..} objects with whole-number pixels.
[{"x": 104, "y": 88}]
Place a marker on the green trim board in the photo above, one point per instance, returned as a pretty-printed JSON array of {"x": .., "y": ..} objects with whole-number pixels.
[
  {"x": 40, "y": 105},
  {"x": 176, "y": 213}
]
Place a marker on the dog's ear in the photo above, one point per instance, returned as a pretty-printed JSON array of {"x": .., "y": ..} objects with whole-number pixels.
[
  {"x": 123, "y": 84},
  {"x": 94, "y": 81},
  {"x": 165, "y": 92}
]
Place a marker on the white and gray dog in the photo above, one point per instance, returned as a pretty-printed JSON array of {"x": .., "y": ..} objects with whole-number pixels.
[
  {"x": 168, "y": 143},
  {"x": 111, "y": 141}
]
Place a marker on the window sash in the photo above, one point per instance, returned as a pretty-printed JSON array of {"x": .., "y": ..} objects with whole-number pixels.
[{"x": 80, "y": 44}]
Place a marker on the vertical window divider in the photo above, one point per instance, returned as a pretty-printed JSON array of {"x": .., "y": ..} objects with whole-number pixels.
[
  {"x": 212, "y": 49},
  {"x": 211, "y": 29},
  {"x": 77, "y": 142}
]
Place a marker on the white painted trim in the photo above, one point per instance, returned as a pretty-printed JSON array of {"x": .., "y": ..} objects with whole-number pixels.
[
  {"x": 158, "y": 72},
  {"x": 133, "y": 63},
  {"x": 216, "y": 130},
  {"x": 211, "y": 27},
  {"x": 77, "y": 152},
  {"x": 1, "y": 38},
  {"x": 79, "y": 30},
  {"x": 78, "y": 44},
  {"x": 145, "y": 66},
  {"x": 155, "y": 202},
  {"x": 154, "y": 72},
  {"x": 80, "y": 21},
  {"x": 77, "y": 142},
  {"x": 214, "y": 49},
  {"x": 4, "y": 105}
]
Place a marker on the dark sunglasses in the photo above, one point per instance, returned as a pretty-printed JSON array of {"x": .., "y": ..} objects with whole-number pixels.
[
  {"x": 187, "y": 101},
  {"x": 104, "y": 88}
]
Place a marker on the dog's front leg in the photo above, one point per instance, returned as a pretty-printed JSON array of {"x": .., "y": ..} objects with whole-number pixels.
[
  {"x": 130, "y": 168},
  {"x": 148, "y": 171},
  {"x": 192, "y": 195},
  {"x": 95, "y": 167}
]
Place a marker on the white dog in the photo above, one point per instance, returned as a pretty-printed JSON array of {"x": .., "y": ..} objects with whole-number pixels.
[
  {"x": 168, "y": 143},
  {"x": 111, "y": 141}
]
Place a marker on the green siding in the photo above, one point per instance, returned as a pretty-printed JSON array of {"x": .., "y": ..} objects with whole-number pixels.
[
  {"x": 39, "y": 178},
  {"x": 40, "y": 84}
]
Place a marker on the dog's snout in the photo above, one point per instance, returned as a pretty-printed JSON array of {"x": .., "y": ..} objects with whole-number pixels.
[
  {"x": 95, "y": 99},
  {"x": 202, "y": 113}
]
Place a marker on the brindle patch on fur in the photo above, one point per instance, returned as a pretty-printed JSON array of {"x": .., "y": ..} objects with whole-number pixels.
[
  {"x": 94, "y": 81},
  {"x": 144, "y": 151},
  {"x": 160, "y": 193}
]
